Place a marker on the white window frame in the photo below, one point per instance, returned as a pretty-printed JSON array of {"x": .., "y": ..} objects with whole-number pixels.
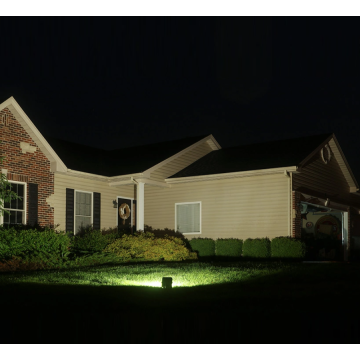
[
  {"x": 92, "y": 206},
  {"x": 186, "y": 203},
  {"x": 25, "y": 202},
  {"x": 117, "y": 209}
]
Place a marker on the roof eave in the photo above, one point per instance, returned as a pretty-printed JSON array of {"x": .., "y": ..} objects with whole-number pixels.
[
  {"x": 238, "y": 174},
  {"x": 208, "y": 139}
]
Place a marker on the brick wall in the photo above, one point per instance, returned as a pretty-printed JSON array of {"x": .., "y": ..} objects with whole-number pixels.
[
  {"x": 29, "y": 167},
  {"x": 296, "y": 215}
]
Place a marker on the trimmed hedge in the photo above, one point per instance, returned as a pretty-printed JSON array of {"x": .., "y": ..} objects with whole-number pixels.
[
  {"x": 204, "y": 247},
  {"x": 146, "y": 246},
  {"x": 228, "y": 247},
  {"x": 257, "y": 248},
  {"x": 286, "y": 247}
]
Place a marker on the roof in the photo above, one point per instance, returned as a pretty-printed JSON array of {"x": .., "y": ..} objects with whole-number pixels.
[
  {"x": 267, "y": 155},
  {"x": 117, "y": 162}
]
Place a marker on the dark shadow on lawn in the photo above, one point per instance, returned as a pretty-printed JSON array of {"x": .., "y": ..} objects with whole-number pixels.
[
  {"x": 279, "y": 308},
  {"x": 99, "y": 314}
]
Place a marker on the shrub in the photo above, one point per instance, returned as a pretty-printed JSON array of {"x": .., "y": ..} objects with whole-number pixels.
[
  {"x": 160, "y": 233},
  {"x": 228, "y": 247},
  {"x": 16, "y": 263},
  {"x": 286, "y": 247},
  {"x": 146, "y": 246},
  {"x": 257, "y": 248},
  {"x": 204, "y": 247},
  {"x": 30, "y": 243},
  {"x": 90, "y": 240}
]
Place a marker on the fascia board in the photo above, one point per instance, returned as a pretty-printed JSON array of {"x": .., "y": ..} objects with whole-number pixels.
[
  {"x": 139, "y": 179},
  {"x": 189, "y": 148},
  {"x": 34, "y": 133},
  {"x": 152, "y": 182},
  {"x": 348, "y": 168},
  {"x": 231, "y": 175},
  {"x": 124, "y": 177},
  {"x": 109, "y": 179}
]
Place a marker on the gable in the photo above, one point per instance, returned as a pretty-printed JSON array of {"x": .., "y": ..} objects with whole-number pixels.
[
  {"x": 11, "y": 106},
  {"x": 183, "y": 159},
  {"x": 24, "y": 162},
  {"x": 321, "y": 177},
  {"x": 332, "y": 177}
]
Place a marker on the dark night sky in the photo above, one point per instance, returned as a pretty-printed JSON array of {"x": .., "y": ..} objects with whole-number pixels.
[{"x": 113, "y": 82}]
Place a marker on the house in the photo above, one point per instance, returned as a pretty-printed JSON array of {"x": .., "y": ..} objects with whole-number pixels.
[{"x": 297, "y": 187}]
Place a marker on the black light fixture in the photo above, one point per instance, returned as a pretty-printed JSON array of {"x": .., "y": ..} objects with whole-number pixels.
[
  {"x": 115, "y": 204},
  {"x": 166, "y": 283}
]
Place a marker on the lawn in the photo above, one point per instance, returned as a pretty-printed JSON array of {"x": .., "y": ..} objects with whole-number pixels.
[
  {"x": 145, "y": 274},
  {"x": 250, "y": 297}
]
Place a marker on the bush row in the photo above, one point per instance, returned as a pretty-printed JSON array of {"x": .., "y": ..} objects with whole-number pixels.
[
  {"x": 50, "y": 248},
  {"x": 262, "y": 248},
  {"x": 33, "y": 248}
]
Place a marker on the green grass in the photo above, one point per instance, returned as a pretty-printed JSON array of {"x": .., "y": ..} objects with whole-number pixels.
[
  {"x": 183, "y": 274},
  {"x": 200, "y": 284}
]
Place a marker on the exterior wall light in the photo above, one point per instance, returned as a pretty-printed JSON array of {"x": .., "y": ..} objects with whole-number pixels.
[
  {"x": 166, "y": 283},
  {"x": 115, "y": 204}
]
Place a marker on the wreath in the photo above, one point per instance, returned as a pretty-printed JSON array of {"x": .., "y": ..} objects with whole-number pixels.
[{"x": 124, "y": 212}]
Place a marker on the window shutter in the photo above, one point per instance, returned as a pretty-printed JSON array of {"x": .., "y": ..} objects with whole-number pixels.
[
  {"x": 96, "y": 211},
  {"x": 33, "y": 204},
  {"x": 69, "y": 226}
]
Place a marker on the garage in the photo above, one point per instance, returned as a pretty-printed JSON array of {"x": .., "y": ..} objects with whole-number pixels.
[{"x": 324, "y": 231}]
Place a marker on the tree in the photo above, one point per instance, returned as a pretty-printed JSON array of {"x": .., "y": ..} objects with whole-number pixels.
[{"x": 6, "y": 194}]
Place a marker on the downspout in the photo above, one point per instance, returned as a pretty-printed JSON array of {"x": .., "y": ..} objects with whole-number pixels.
[
  {"x": 288, "y": 175},
  {"x": 291, "y": 206}
]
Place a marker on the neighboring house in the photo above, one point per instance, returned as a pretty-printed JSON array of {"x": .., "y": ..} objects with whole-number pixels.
[{"x": 280, "y": 188}]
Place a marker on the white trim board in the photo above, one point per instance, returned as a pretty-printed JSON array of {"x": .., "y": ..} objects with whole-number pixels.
[
  {"x": 232, "y": 175},
  {"x": 208, "y": 139}
]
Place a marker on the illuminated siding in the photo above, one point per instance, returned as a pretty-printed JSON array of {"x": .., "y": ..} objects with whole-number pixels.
[
  {"x": 255, "y": 206},
  {"x": 108, "y": 194}
]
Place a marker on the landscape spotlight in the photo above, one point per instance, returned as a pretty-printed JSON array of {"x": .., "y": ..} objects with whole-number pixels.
[{"x": 166, "y": 283}]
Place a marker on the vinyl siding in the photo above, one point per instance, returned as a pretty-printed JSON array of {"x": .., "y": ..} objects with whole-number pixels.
[
  {"x": 325, "y": 178},
  {"x": 108, "y": 194},
  {"x": 256, "y": 206},
  {"x": 180, "y": 162}
]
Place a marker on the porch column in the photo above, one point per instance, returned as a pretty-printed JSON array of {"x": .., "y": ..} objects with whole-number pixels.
[{"x": 140, "y": 204}]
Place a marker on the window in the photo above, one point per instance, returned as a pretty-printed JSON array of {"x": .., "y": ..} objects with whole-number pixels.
[
  {"x": 16, "y": 207},
  {"x": 188, "y": 217},
  {"x": 83, "y": 209}
]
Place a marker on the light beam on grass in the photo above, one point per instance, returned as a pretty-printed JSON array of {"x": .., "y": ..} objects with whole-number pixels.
[
  {"x": 184, "y": 275},
  {"x": 152, "y": 283}
]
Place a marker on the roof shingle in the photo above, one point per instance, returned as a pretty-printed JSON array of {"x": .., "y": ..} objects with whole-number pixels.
[
  {"x": 266, "y": 155},
  {"x": 120, "y": 161}
]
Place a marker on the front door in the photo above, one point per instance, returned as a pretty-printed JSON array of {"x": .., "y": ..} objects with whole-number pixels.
[{"x": 125, "y": 216}]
